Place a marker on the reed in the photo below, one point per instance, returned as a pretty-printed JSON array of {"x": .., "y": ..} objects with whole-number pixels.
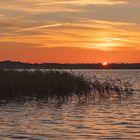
[
  {"x": 57, "y": 85},
  {"x": 19, "y": 84}
]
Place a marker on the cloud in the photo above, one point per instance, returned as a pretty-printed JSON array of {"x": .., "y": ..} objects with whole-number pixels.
[
  {"x": 17, "y": 44},
  {"x": 1, "y": 15},
  {"x": 84, "y": 2},
  {"x": 97, "y": 24},
  {"x": 42, "y": 27}
]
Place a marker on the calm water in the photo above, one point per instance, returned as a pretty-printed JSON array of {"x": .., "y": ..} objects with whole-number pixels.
[{"x": 101, "y": 119}]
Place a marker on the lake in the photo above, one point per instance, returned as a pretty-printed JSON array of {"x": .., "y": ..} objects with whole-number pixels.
[{"x": 96, "y": 119}]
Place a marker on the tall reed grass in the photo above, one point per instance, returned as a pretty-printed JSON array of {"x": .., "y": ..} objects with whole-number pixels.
[
  {"x": 15, "y": 84},
  {"x": 56, "y": 84}
]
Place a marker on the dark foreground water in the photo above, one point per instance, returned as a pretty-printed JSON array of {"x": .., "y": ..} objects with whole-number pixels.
[{"x": 97, "y": 119}]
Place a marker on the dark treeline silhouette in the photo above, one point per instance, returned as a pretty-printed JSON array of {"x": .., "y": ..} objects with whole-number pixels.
[{"x": 20, "y": 65}]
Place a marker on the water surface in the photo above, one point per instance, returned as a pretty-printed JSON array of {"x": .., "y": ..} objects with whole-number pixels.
[{"x": 99, "y": 119}]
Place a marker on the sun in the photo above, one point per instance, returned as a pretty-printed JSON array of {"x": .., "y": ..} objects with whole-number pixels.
[{"x": 105, "y": 64}]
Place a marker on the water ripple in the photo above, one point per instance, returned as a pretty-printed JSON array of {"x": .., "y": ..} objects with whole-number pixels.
[{"x": 100, "y": 119}]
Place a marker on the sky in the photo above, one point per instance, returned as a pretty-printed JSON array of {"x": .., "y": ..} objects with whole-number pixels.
[{"x": 70, "y": 31}]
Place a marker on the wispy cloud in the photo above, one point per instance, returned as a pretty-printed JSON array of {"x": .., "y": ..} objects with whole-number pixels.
[
  {"x": 42, "y": 27},
  {"x": 1, "y": 15},
  {"x": 97, "y": 24},
  {"x": 113, "y": 23},
  {"x": 84, "y": 2}
]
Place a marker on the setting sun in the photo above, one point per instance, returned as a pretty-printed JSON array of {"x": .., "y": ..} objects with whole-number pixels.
[{"x": 104, "y": 63}]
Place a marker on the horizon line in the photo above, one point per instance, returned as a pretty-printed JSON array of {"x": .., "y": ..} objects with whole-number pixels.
[{"x": 68, "y": 63}]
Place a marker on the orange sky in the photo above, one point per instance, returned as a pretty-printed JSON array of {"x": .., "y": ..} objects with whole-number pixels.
[{"x": 74, "y": 31}]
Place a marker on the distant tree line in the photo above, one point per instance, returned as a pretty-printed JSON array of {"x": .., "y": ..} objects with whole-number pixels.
[{"x": 20, "y": 65}]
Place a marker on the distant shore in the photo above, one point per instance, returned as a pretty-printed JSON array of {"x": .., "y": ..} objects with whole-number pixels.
[{"x": 21, "y": 65}]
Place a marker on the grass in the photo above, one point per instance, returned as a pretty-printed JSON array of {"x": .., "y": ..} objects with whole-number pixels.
[
  {"x": 57, "y": 85},
  {"x": 19, "y": 84}
]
